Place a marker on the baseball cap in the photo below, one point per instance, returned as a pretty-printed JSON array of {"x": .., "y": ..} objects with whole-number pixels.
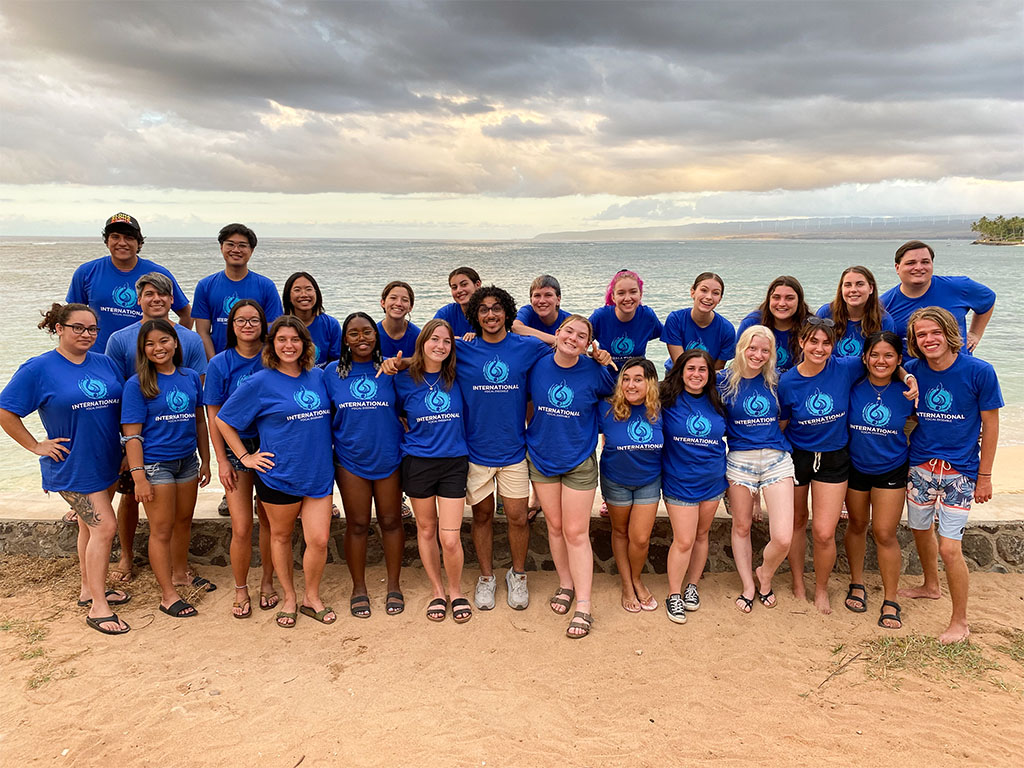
[{"x": 122, "y": 218}]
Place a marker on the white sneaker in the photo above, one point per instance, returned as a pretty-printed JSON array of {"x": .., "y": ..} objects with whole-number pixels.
[
  {"x": 484, "y": 594},
  {"x": 518, "y": 592}
]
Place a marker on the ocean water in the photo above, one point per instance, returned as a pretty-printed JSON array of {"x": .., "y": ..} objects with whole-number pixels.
[{"x": 351, "y": 274}]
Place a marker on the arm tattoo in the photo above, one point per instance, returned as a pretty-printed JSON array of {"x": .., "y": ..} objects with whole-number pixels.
[{"x": 81, "y": 504}]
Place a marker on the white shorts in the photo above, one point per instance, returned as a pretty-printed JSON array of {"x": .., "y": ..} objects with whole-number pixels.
[{"x": 513, "y": 482}]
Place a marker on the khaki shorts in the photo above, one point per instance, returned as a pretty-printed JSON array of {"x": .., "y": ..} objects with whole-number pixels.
[
  {"x": 513, "y": 482},
  {"x": 580, "y": 478}
]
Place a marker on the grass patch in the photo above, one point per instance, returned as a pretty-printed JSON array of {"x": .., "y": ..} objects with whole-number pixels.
[
  {"x": 1015, "y": 648},
  {"x": 887, "y": 656}
]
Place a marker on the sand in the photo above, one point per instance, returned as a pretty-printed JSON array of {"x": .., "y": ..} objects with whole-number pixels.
[{"x": 506, "y": 689}]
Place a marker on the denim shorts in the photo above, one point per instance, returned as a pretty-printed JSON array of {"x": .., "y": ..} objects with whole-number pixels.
[
  {"x": 691, "y": 502},
  {"x": 174, "y": 471},
  {"x": 758, "y": 468},
  {"x": 251, "y": 445},
  {"x": 627, "y": 495},
  {"x": 935, "y": 488}
]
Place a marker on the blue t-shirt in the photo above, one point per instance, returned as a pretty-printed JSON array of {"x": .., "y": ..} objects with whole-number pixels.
[
  {"x": 784, "y": 359},
  {"x": 528, "y": 317},
  {"x": 293, "y": 420},
  {"x": 122, "y": 344},
  {"x": 693, "y": 461},
  {"x": 216, "y": 294},
  {"x": 434, "y": 416},
  {"x": 957, "y": 294},
  {"x": 718, "y": 339},
  {"x": 752, "y": 416},
  {"x": 632, "y": 448},
  {"x": 407, "y": 344},
  {"x": 111, "y": 293},
  {"x": 563, "y": 431},
  {"x": 169, "y": 419},
  {"x": 226, "y": 372},
  {"x": 949, "y": 411},
  {"x": 878, "y": 415},
  {"x": 367, "y": 432},
  {"x": 456, "y": 318},
  {"x": 852, "y": 342},
  {"x": 325, "y": 331},
  {"x": 817, "y": 406},
  {"x": 78, "y": 401},
  {"x": 492, "y": 378},
  {"x": 625, "y": 340}
]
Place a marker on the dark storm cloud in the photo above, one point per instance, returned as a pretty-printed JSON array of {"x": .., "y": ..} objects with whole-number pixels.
[{"x": 509, "y": 98}]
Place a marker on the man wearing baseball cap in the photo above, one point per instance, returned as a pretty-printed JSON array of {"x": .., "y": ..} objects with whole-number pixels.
[{"x": 107, "y": 284}]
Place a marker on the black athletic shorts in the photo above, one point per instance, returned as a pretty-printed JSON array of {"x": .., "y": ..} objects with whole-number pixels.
[
  {"x": 892, "y": 480},
  {"x": 268, "y": 495},
  {"x": 823, "y": 466},
  {"x": 445, "y": 477}
]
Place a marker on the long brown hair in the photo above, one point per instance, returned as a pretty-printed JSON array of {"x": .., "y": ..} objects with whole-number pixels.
[
  {"x": 672, "y": 387},
  {"x": 416, "y": 366},
  {"x": 144, "y": 367},
  {"x": 308, "y": 357},
  {"x": 802, "y": 310},
  {"x": 872, "y": 320},
  {"x": 621, "y": 408}
]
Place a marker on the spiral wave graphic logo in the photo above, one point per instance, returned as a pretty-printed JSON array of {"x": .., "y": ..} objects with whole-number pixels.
[
  {"x": 496, "y": 371},
  {"x": 306, "y": 399},
  {"x": 876, "y": 414},
  {"x": 698, "y": 344},
  {"x": 756, "y": 405},
  {"x": 819, "y": 404},
  {"x": 241, "y": 379},
  {"x": 363, "y": 388},
  {"x": 849, "y": 347},
  {"x": 177, "y": 401},
  {"x": 622, "y": 346},
  {"x": 781, "y": 357},
  {"x": 939, "y": 399},
  {"x": 229, "y": 302},
  {"x": 92, "y": 388},
  {"x": 437, "y": 401},
  {"x": 698, "y": 425},
  {"x": 560, "y": 395},
  {"x": 124, "y": 296},
  {"x": 640, "y": 431}
]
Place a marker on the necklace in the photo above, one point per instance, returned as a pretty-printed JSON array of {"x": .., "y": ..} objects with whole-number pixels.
[
  {"x": 878, "y": 392},
  {"x": 430, "y": 387}
]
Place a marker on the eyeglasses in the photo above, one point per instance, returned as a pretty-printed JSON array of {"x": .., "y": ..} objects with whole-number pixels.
[
  {"x": 78, "y": 329},
  {"x": 365, "y": 333},
  {"x": 252, "y": 322},
  {"x": 234, "y": 245},
  {"x": 490, "y": 309},
  {"x": 814, "y": 321}
]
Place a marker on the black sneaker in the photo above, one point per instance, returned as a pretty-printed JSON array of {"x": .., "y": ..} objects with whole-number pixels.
[
  {"x": 675, "y": 608},
  {"x": 691, "y": 598},
  {"x": 222, "y": 508}
]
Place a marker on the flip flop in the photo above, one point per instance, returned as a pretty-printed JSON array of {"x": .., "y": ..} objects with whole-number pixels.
[
  {"x": 285, "y": 615},
  {"x": 205, "y": 584},
  {"x": 269, "y": 600},
  {"x": 580, "y": 620},
  {"x": 562, "y": 602},
  {"x": 532, "y": 512},
  {"x": 98, "y": 623},
  {"x": 461, "y": 610},
  {"x": 359, "y": 606},
  {"x": 768, "y": 599},
  {"x": 395, "y": 603},
  {"x": 321, "y": 616},
  {"x": 437, "y": 609},
  {"x": 651, "y": 604},
  {"x": 748, "y": 604},
  {"x": 178, "y": 608},
  {"x": 119, "y": 601},
  {"x": 890, "y": 616},
  {"x": 247, "y": 604},
  {"x": 862, "y": 603},
  {"x": 122, "y": 576}
]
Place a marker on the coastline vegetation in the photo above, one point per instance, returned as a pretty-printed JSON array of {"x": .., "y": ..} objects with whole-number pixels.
[{"x": 1000, "y": 230}]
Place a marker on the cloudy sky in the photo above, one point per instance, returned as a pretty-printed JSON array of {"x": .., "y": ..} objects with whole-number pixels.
[{"x": 504, "y": 119}]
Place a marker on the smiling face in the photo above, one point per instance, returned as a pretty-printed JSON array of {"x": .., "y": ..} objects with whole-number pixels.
[
  {"x": 882, "y": 360},
  {"x": 706, "y": 296},
  {"x": 931, "y": 340},
  {"x": 915, "y": 268},
  {"x": 817, "y": 348},
  {"x": 783, "y": 303},
  {"x": 491, "y": 315},
  {"x": 397, "y": 304},
  {"x": 545, "y": 303},
  {"x": 247, "y": 324},
  {"x": 757, "y": 354},
  {"x": 78, "y": 343},
  {"x": 572, "y": 338},
  {"x": 462, "y": 288},
  {"x": 361, "y": 338},
  {"x": 154, "y": 305},
  {"x": 438, "y": 345},
  {"x": 626, "y": 295},
  {"x": 288, "y": 345},
  {"x": 634, "y": 385},
  {"x": 236, "y": 251},
  {"x": 159, "y": 348},
  {"x": 856, "y": 289},
  {"x": 695, "y": 375},
  {"x": 123, "y": 248},
  {"x": 302, "y": 294}
]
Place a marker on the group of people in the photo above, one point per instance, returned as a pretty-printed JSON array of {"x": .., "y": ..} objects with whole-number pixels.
[{"x": 805, "y": 409}]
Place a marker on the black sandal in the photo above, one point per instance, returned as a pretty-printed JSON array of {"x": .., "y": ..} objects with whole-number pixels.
[
  {"x": 179, "y": 610},
  {"x": 359, "y": 606},
  {"x": 748, "y": 604},
  {"x": 768, "y": 599},
  {"x": 862, "y": 601},
  {"x": 437, "y": 609},
  {"x": 461, "y": 610},
  {"x": 890, "y": 616},
  {"x": 395, "y": 603}
]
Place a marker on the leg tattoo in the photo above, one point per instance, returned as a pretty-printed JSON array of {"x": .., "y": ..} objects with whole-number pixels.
[{"x": 83, "y": 507}]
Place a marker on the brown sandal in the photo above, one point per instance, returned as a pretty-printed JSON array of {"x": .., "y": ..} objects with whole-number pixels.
[
  {"x": 580, "y": 620},
  {"x": 565, "y": 603}
]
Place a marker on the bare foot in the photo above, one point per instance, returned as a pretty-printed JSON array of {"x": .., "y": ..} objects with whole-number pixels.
[
  {"x": 821, "y": 602},
  {"x": 799, "y": 591},
  {"x": 922, "y": 591},
  {"x": 955, "y": 633}
]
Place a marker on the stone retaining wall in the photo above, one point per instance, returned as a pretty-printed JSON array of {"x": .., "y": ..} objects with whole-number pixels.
[{"x": 997, "y": 547}]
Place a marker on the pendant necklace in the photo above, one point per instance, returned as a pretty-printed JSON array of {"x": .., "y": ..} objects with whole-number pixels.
[{"x": 878, "y": 392}]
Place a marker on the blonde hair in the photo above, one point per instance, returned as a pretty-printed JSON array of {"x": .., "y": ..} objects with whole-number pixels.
[
  {"x": 941, "y": 318},
  {"x": 738, "y": 366},
  {"x": 621, "y": 408}
]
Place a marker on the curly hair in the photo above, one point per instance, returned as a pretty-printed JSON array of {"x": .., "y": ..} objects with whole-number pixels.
[
  {"x": 308, "y": 357},
  {"x": 345, "y": 362},
  {"x": 504, "y": 298}
]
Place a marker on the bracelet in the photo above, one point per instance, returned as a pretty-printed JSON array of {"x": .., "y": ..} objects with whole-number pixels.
[
  {"x": 126, "y": 438},
  {"x": 984, "y": 474},
  {"x": 243, "y": 455},
  {"x": 132, "y": 469}
]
